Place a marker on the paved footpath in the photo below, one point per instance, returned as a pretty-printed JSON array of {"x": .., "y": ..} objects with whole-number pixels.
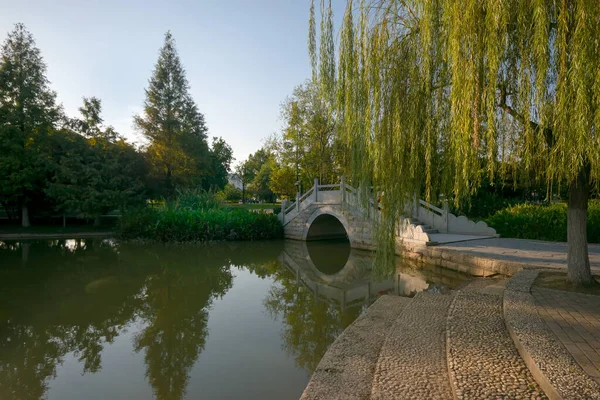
[
  {"x": 575, "y": 320},
  {"x": 536, "y": 253}
]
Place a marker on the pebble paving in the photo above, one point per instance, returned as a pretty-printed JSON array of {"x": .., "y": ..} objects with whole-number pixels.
[
  {"x": 412, "y": 362},
  {"x": 483, "y": 361},
  {"x": 346, "y": 371}
]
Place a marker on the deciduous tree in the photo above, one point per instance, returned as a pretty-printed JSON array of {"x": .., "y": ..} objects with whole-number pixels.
[{"x": 433, "y": 95}]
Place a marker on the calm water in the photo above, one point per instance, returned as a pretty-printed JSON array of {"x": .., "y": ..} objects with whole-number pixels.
[{"x": 95, "y": 319}]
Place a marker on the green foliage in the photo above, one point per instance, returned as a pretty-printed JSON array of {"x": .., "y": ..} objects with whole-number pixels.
[
  {"x": 542, "y": 222},
  {"x": 432, "y": 96},
  {"x": 283, "y": 182},
  {"x": 221, "y": 155},
  {"x": 197, "y": 216},
  {"x": 178, "y": 152},
  {"x": 231, "y": 193},
  {"x": 93, "y": 176},
  {"x": 260, "y": 184},
  {"x": 27, "y": 113},
  {"x": 484, "y": 205},
  {"x": 248, "y": 170},
  {"x": 308, "y": 139},
  {"x": 183, "y": 225},
  {"x": 195, "y": 200}
]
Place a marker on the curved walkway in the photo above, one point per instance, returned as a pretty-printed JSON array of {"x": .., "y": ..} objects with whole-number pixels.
[
  {"x": 553, "y": 363},
  {"x": 491, "y": 339}
]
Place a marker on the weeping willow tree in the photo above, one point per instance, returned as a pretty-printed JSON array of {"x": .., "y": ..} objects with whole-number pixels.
[{"x": 432, "y": 96}]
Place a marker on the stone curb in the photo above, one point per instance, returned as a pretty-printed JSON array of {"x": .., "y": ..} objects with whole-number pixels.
[
  {"x": 552, "y": 366},
  {"x": 347, "y": 369},
  {"x": 77, "y": 235}
]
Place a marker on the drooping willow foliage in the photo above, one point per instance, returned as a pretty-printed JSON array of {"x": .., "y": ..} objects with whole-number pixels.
[{"x": 433, "y": 95}]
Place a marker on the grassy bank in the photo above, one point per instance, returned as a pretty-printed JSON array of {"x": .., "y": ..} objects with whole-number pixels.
[
  {"x": 542, "y": 222},
  {"x": 190, "y": 219}
]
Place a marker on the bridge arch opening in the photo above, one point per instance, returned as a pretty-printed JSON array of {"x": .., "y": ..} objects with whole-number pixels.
[{"x": 327, "y": 227}]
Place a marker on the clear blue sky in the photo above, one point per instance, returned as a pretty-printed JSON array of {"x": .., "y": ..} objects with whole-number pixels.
[{"x": 242, "y": 57}]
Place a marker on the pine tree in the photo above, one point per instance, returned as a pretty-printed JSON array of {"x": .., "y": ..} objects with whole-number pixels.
[
  {"x": 178, "y": 150},
  {"x": 28, "y": 109}
]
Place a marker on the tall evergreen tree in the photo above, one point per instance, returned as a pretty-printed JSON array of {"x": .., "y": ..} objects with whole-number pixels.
[
  {"x": 178, "y": 151},
  {"x": 28, "y": 112}
]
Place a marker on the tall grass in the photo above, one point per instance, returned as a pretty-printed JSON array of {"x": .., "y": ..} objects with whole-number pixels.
[
  {"x": 542, "y": 222},
  {"x": 198, "y": 217},
  {"x": 196, "y": 199}
]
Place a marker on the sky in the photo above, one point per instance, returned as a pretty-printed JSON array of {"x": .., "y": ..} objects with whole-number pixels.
[{"x": 242, "y": 57}]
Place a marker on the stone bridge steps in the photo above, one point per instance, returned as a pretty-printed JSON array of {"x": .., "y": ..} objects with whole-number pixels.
[{"x": 425, "y": 227}]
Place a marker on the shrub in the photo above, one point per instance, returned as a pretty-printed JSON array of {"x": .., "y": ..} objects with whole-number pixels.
[
  {"x": 195, "y": 199},
  {"x": 542, "y": 222},
  {"x": 484, "y": 205},
  {"x": 170, "y": 224}
]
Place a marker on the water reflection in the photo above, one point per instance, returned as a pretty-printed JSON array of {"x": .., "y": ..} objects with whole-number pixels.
[{"x": 68, "y": 301}]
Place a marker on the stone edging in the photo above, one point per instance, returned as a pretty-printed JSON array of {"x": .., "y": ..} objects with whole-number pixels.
[
  {"x": 347, "y": 369},
  {"x": 61, "y": 235},
  {"x": 461, "y": 261},
  {"x": 555, "y": 370}
]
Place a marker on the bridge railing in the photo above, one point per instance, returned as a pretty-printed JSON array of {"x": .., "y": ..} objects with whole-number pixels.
[
  {"x": 346, "y": 195},
  {"x": 432, "y": 215}
]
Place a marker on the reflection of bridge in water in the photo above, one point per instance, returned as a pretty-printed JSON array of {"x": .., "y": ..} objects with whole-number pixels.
[{"x": 335, "y": 273}]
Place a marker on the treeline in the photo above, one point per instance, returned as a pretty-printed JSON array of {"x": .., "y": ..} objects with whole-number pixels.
[
  {"x": 306, "y": 148},
  {"x": 51, "y": 163}
]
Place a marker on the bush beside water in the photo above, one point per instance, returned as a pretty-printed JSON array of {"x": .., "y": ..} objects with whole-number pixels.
[
  {"x": 195, "y": 217},
  {"x": 542, "y": 222}
]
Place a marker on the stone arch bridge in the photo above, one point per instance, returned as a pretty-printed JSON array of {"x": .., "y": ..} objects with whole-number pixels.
[{"x": 334, "y": 211}]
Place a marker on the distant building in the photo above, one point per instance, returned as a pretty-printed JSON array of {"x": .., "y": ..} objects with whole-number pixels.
[{"x": 235, "y": 180}]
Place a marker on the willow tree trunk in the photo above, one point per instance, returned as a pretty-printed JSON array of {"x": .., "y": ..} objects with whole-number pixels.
[
  {"x": 578, "y": 260},
  {"x": 25, "y": 216}
]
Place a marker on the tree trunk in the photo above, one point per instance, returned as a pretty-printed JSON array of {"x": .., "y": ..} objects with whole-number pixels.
[
  {"x": 578, "y": 260},
  {"x": 25, "y": 247},
  {"x": 97, "y": 221},
  {"x": 168, "y": 183},
  {"x": 25, "y": 216}
]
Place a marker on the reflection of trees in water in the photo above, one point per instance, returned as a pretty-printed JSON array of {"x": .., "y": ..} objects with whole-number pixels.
[
  {"x": 310, "y": 326},
  {"x": 76, "y": 296},
  {"x": 175, "y": 310},
  {"x": 47, "y": 314}
]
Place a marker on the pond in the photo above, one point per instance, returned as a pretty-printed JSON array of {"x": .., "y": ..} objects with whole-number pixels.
[{"x": 97, "y": 319}]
